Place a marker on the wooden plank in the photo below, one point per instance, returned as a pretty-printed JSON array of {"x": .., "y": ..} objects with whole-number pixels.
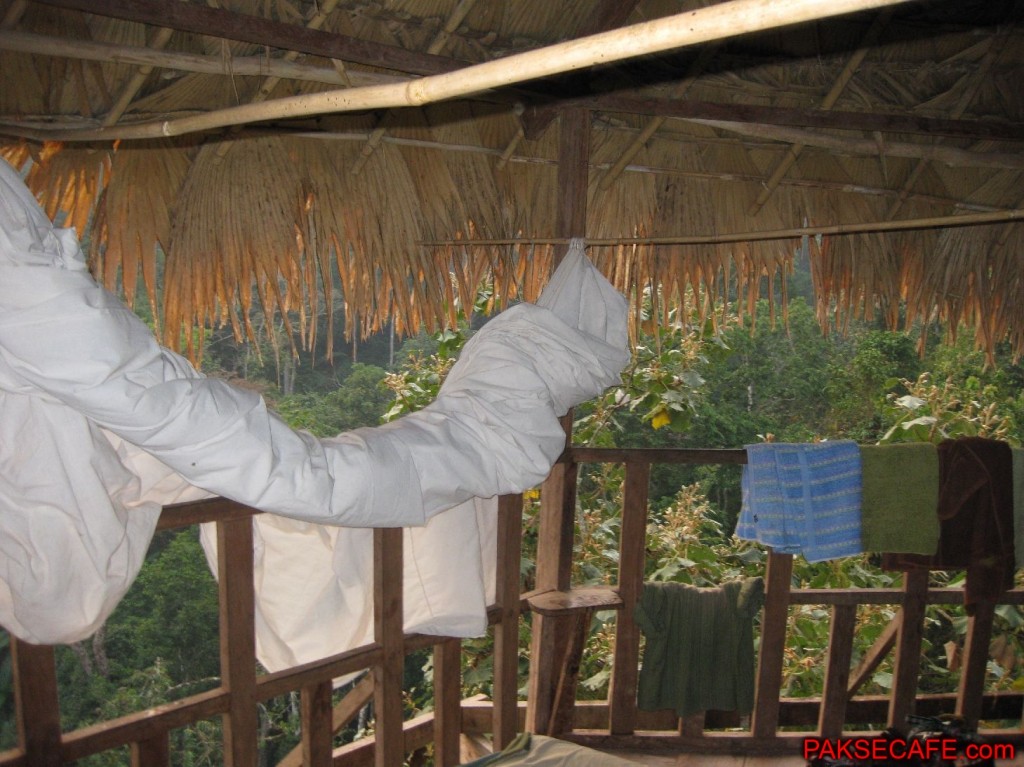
[
  {"x": 506, "y": 631},
  {"x": 204, "y": 20},
  {"x": 237, "y": 640},
  {"x": 837, "y": 671},
  {"x": 36, "y": 704},
  {"x": 155, "y": 752},
  {"x": 144, "y": 725},
  {"x": 873, "y": 657},
  {"x": 765, "y": 718},
  {"x": 867, "y": 710},
  {"x": 447, "y": 702},
  {"x": 389, "y": 749},
  {"x": 972, "y": 677},
  {"x": 206, "y": 510},
  {"x": 317, "y": 725},
  {"x": 632, "y": 554},
  {"x": 349, "y": 662},
  {"x": 907, "y": 664},
  {"x": 572, "y": 600}
]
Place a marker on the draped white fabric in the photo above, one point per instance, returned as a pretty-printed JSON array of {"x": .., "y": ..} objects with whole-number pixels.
[{"x": 100, "y": 426}]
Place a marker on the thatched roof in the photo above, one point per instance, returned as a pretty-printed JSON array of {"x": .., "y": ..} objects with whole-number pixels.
[{"x": 886, "y": 143}]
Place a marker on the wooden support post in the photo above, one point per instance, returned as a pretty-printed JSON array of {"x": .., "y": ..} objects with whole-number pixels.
[
  {"x": 238, "y": 639},
  {"x": 907, "y": 664},
  {"x": 622, "y": 694},
  {"x": 837, "y": 672},
  {"x": 153, "y": 752},
  {"x": 558, "y": 494},
  {"x": 506, "y": 633},
  {"x": 447, "y": 702},
  {"x": 972, "y": 678},
  {"x": 564, "y": 705},
  {"x": 317, "y": 725},
  {"x": 765, "y": 719},
  {"x": 389, "y": 742},
  {"x": 35, "y": 696}
]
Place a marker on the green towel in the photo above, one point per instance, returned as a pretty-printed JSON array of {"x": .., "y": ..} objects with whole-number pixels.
[{"x": 899, "y": 498}]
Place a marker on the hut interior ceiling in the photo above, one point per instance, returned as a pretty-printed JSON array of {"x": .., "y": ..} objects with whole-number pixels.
[{"x": 382, "y": 158}]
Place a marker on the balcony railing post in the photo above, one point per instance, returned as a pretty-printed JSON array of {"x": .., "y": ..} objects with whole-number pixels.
[
  {"x": 549, "y": 638},
  {"x": 907, "y": 664},
  {"x": 778, "y": 576},
  {"x": 35, "y": 695},
  {"x": 622, "y": 693},
  {"x": 976, "y": 651},
  {"x": 153, "y": 752},
  {"x": 317, "y": 724},
  {"x": 447, "y": 702},
  {"x": 506, "y": 633},
  {"x": 837, "y": 671},
  {"x": 238, "y": 639},
  {"x": 388, "y": 626}
]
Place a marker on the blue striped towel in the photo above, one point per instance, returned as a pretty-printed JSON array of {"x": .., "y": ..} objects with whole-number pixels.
[{"x": 803, "y": 498}]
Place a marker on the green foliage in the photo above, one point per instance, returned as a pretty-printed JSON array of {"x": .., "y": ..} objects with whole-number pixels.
[
  {"x": 929, "y": 412},
  {"x": 356, "y": 401}
]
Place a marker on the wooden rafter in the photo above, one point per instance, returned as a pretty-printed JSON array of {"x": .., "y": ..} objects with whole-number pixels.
[
  {"x": 437, "y": 45},
  {"x": 994, "y": 45},
  {"x": 90, "y": 50},
  {"x": 216, "y": 22},
  {"x": 953, "y": 156},
  {"x": 160, "y": 39},
  {"x": 652, "y": 126},
  {"x": 271, "y": 81},
  {"x": 782, "y": 167}
]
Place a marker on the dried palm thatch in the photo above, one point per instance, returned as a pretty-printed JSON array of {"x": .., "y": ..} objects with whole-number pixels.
[{"x": 399, "y": 215}]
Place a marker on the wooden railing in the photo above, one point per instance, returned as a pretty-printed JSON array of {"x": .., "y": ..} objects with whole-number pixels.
[{"x": 560, "y": 621}]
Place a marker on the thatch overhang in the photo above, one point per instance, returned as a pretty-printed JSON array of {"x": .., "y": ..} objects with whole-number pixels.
[{"x": 284, "y": 151}]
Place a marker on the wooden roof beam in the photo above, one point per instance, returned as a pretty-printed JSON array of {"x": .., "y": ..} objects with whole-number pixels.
[
  {"x": 715, "y": 22},
  {"x": 782, "y": 167},
  {"x": 994, "y": 44},
  {"x": 698, "y": 111},
  {"x": 216, "y": 22}
]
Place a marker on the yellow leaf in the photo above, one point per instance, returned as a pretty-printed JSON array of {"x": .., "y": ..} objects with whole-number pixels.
[{"x": 661, "y": 419}]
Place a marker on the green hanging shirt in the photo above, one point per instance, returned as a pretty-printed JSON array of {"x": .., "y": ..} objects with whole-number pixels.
[{"x": 699, "y": 651}]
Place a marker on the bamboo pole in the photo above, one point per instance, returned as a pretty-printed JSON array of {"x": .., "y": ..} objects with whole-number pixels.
[
  {"x": 261, "y": 66},
  {"x": 948, "y": 155},
  {"x": 716, "y": 22},
  {"x": 939, "y": 222}
]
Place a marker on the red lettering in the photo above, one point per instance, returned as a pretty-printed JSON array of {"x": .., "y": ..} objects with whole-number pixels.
[{"x": 811, "y": 747}]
